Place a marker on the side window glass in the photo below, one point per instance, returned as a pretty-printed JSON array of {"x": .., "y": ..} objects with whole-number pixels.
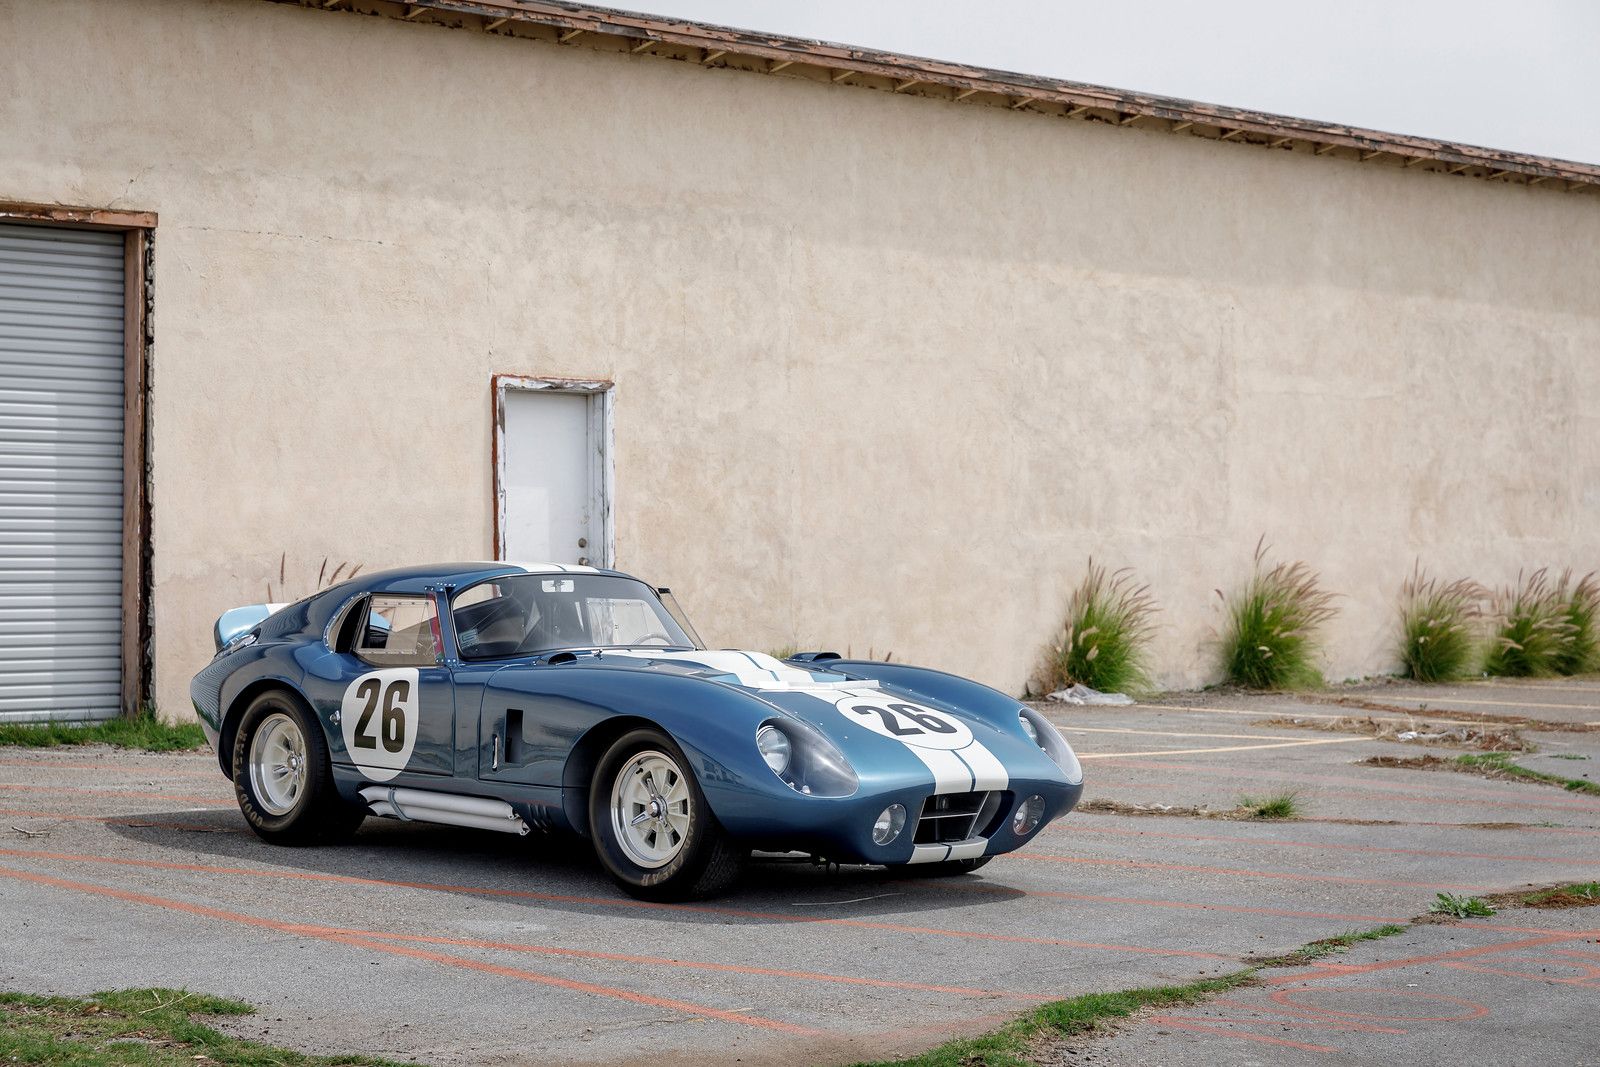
[{"x": 400, "y": 631}]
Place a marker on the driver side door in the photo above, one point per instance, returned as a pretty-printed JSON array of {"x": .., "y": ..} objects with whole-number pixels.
[{"x": 396, "y": 712}]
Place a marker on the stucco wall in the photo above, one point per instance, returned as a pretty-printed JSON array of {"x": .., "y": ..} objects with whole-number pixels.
[{"x": 888, "y": 370}]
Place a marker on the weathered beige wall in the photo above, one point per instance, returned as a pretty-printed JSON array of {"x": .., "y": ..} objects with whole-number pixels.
[{"x": 887, "y": 369}]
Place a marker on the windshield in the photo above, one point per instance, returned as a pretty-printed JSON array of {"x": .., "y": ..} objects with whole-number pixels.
[{"x": 526, "y": 614}]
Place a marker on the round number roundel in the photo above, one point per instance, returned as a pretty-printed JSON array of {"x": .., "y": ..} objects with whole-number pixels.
[
  {"x": 379, "y": 720},
  {"x": 910, "y": 724}
]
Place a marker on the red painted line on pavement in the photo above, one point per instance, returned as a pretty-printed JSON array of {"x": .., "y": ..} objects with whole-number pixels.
[
  {"x": 615, "y": 902},
  {"x": 1200, "y": 1028},
  {"x": 1233, "y": 872},
  {"x": 1279, "y": 843},
  {"x": 1349, "y": 785},
  {"x": 323, "y": 934},
  {"x": 115, "y": 768},
  {"x": 1339, "y": 970},
  {"x": 658, "y": 961},
  {"x": 1090, "y": 898},
  {"x": 138, "y": 821},
  {"x": 68, "y": 790},
  {"x": 1302, "y": 1017}
]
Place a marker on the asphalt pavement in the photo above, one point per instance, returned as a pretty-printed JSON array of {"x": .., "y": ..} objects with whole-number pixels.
[{"x": 457, "y": 947}]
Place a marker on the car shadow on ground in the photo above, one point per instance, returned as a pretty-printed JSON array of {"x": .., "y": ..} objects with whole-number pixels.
[{"x": 557, "y": 871}]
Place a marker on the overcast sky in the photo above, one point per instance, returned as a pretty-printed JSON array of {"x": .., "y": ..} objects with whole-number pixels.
[{"x": 1514, "y": 74}]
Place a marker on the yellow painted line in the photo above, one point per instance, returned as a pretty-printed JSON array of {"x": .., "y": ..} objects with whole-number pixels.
[
  {"x": 1230, "y": 748},
  {"x": 1172, "y": 733},
  {"x": 1494, "y": 703},
  {"x": 1568, "y": 686},
  {"x": 1352, "y": 713}
]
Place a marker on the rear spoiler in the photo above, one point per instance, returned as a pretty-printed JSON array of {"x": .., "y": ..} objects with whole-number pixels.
[{"x": 237, "y": 622}]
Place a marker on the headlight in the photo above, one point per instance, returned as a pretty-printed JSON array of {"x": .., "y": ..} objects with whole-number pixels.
[
  {"x": 1029, "y": 812},
  {"x": 1055, "y": 746},
  {"x": 889, "y": 824},
  {"x": 1028, "y": 728},
  {"x": 775, "y": 748},
  {"x": 804, "y": 758}
]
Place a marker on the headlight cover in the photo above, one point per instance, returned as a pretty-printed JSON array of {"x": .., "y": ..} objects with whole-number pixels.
[
  {"x": 814, "y": 764},
  {"x": 774, "y": 746},
  {"x": 1050, "y": 740}
]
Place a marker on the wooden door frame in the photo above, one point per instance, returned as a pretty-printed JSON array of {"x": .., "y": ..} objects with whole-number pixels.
[
  {"x": 138, "y": 236},
  {"x": 602, "y": 397}
]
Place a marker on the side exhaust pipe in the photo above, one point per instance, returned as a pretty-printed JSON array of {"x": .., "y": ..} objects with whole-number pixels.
[{"x": 420, "y": 805}]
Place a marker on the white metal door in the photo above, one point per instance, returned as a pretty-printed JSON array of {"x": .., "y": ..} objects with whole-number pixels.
[
  {"x": 61, "y": 399},
  {"x": 553, "y": 477}
]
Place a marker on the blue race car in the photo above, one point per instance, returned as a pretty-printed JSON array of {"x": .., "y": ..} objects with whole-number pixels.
[{"x": 507, "y": 697}]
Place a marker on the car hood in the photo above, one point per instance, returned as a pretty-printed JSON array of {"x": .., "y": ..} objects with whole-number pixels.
[{"x": 876, "y": 724}]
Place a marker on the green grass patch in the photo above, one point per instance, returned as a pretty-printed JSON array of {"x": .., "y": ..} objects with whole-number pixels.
[
  {"x": 1501, "y": 763},
  {"x": 144, "y": 732},
  {"x": 138, "y": 1028},
  {"x": 1009, "y": 1045},
  {"x": 1276, "y": 806},
  {"x": 1461, "y": 907},
  {"x": 1327, "y": 946},
  {"x": 1437, "y": 642},
  {"x": 1567, "y": 755},
  {"x": 1271, "y": 639},
  {"x": 1532, "y": 635},
  {"x": 1105, "y": 644}
]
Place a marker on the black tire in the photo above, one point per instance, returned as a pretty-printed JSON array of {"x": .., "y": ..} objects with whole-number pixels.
[
  {"x": 317, "y": 814},
  {"x": 945, "y": 869},
  {"x": 707, "y": 861}
]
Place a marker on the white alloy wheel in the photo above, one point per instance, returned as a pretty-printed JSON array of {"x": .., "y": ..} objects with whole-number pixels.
[
  {"x": 650, "y": 809},
  {"x": 278, "y": 769}
]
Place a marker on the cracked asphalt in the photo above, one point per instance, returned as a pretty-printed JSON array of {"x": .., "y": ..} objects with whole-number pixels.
[{"x": 455, "y": 947}]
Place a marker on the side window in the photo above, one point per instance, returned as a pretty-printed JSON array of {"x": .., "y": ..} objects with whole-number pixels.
[{"x": 400, "y": 631}]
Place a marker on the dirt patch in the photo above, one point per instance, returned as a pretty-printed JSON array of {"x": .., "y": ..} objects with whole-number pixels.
[
  {"x": 1518, "y": 722},
  {"x": 1117, "y": 807},
  {"x": 1413, "y": 731},
  {"x": 1490, "y": 765}
]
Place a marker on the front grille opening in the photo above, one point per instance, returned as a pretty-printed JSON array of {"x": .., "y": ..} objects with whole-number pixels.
[{"x": 950, "y": 817}]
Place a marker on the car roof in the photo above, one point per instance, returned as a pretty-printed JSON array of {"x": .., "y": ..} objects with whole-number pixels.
[{"x": 419, "y": 578}]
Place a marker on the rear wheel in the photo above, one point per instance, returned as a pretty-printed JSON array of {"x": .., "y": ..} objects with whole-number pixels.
[
  {"x": 282, "y": 775},
  {"x": 651, "y": 825}
]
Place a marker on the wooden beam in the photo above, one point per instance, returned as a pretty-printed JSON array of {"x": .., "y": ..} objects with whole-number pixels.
[
  {"x": 641, "y": 46},
  {"x": 1324, "y": 149},
  {"x": 414, "y": 11},
  {"x": 1129, "y": 119},
  {"x": 1280, "y": 142},
  {"x": 1231, "y": 134},
  {"x": 568, "y": 36},
  {"x": 782, "y": 64},
  {"x": 713, "y": 54},
  {"x": 963, "y": 94},
  {"x": 1021, "y": 102},
  {"x": 1180, "y": 127},
  {"x": 901, "y": 87},
  {"x": 1075, "y": 112},
  {"x": 494, "y": 24},
  {"x": 841, "y": 75}
]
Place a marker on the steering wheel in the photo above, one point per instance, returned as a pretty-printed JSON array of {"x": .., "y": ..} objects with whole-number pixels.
[{"x": 666, "y": 639}]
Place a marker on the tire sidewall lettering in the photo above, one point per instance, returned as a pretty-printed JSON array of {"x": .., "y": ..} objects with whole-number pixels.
[{"x": 379, "y": 717}]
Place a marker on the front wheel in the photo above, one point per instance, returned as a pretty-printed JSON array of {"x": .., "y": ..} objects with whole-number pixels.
[
  {"x": 651, "y": 825},
  {"x": 283, "y": 777}
]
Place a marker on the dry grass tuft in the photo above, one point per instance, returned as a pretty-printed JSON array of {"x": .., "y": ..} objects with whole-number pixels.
[
  {"x": 1104, "y": 646},
  {"x": 1272, "y": 638},
  {"x": 1437, "y": 638},
  {"x": 1532, "y": 633}
]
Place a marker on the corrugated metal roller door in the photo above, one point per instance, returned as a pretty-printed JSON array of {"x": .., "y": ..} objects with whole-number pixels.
[{"x": 61, "y": 366}]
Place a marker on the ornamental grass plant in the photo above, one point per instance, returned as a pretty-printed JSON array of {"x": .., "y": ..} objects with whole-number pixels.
[
  {"x": 1438, "y": 636},
  {"x": 1272, "y": 636},
  {"x": 1532, "y": 635},
  {"x": 1580, "y": 603},
  {"x": 1105, "y": 643}
]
